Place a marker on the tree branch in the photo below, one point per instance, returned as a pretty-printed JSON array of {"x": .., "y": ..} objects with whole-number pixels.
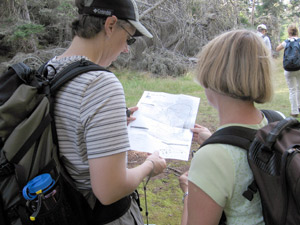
[{"x": 151, "y": 9}]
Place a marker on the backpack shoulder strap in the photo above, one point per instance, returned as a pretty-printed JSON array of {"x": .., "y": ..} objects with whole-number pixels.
[
  {"x": 71, "y": 71},
  {"x": 240, "y": 136},
  {"x": 234, "y": 135},
  {"x": 287, "y": 41},
  {"x": 272, "y": 115},
  {"x": 68, "y": 73}
]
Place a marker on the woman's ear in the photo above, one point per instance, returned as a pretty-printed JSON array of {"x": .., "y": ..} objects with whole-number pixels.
[{"x": 110, "y": 25}]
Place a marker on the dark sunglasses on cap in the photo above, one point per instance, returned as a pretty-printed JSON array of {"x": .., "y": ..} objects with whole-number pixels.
[{"x": 131, "y": 40}]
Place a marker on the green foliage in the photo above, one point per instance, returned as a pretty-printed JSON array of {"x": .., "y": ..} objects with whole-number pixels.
[
  {"x": 25, "y": 31},
  {"x": 283, "y": 32},
  {"x": 273, "y": 7},
  {"x": 194, "y": 7},
  {"x": 293, "y": 10},
  {"x": 67, "y": 8},
  {"x": 244, "y": 19},
  {"x": 270, "y": 7}
]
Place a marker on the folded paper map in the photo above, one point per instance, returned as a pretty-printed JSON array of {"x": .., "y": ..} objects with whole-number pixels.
[{"x": 163, "y": 123}]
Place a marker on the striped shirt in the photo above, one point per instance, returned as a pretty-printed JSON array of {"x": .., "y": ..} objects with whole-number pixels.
[{"x": 90, "y": 116}]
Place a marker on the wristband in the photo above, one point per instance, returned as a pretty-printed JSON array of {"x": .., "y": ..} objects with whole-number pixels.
[{"x": 184, "y": 195}]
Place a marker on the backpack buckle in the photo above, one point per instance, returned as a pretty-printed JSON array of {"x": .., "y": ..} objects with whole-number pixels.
[{"x": 251, "y": 190}]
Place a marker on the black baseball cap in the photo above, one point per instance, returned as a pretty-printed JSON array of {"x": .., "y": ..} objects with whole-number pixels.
[{"x": 122, "y": 9}]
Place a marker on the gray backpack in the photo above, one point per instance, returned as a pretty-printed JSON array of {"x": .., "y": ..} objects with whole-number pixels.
[{"x": 34, "y": 187}]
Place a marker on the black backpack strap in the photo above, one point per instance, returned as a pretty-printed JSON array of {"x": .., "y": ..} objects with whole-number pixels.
[
  {"x": 241, "y": 137},
  {"x": 237, "y": 136},
  {"x": 68, "y": 73},
  {"x": 234, "y": 135},
  {"x": 32, "y": 139},
  {"x": 272, "y": 115},
  {"x": 71, "y": 71}
]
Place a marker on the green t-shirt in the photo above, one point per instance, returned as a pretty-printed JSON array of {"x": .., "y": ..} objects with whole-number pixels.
[{"x": 223, "y": 173}]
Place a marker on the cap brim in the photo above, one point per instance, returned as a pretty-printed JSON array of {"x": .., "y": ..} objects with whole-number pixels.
[{"x": 140, "y": 29}]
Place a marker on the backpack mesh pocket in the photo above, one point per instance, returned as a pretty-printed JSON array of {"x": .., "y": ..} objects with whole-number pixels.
[{"x": 64, "y": 205}]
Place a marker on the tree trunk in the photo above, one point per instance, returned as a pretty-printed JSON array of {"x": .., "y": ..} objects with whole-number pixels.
[
  {"x": 11, "y": 7},
  {"x": 235, "y": 12},
  {"x": 25, "y": 11},
  {"x": 252, "y": 13}
]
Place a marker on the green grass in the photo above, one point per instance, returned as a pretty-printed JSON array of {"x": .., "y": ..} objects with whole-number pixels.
[
  {"x": 164, "y": 196},
  {"x": 135, "y": 84},
  {"x": 163, "y": 200},
  {"x": 280, "y": 100}
]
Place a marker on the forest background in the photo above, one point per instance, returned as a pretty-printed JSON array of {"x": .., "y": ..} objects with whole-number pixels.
[{"x": 33, "y": 31}]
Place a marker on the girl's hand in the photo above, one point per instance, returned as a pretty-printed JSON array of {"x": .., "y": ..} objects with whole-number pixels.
[
  {"x": 200, "y": 133},
  {"x": 183, "y": 182}
]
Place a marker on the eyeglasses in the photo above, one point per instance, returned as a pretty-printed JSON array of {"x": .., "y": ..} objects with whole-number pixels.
[{"x": 131, "y": 40}]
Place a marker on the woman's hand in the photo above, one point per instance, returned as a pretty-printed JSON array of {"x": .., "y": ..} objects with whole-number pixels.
[
  {"x": 129, "y": 113},
  {"x": 159, "y": 163},
  {"x": 200, "y": 133}
]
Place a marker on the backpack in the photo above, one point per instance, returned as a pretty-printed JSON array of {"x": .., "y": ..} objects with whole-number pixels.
[
  {"x": 34, "y": 186},
  {"x": 291, "y": 56},
  {"x": 273, "y": 154}
]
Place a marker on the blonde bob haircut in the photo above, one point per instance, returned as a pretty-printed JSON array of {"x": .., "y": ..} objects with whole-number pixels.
[{"x": 237, "y": 64}]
